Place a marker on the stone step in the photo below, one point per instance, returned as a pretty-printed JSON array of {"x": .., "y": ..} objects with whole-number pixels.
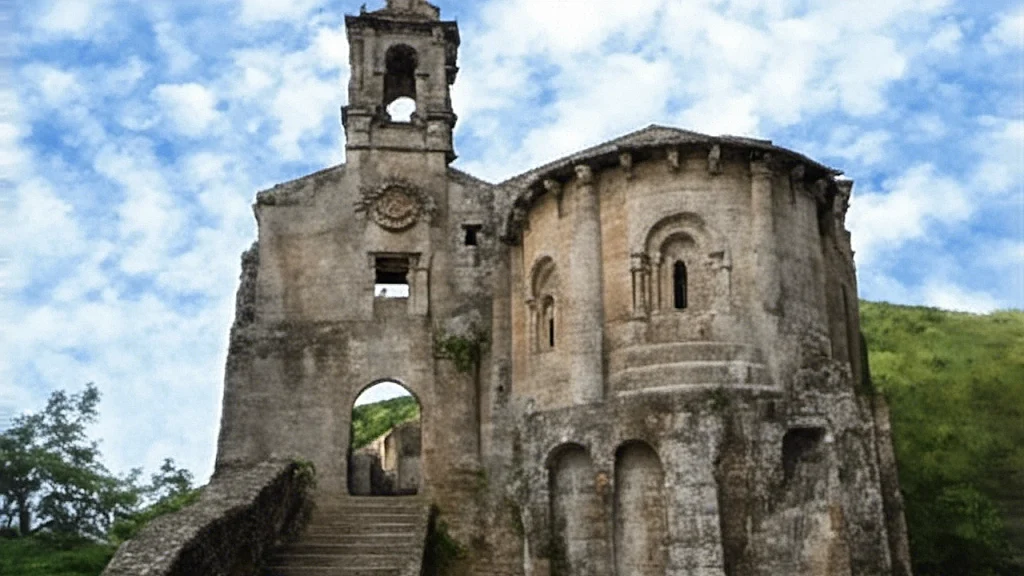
[
  {"x": 682, "y": 374},
  {"x": 361, "y": 518},
  {"x": 342, "y": 528},
  {"x": 352, "y": 536},
  {"x": 392, "y": 560},
  {"x": 329, "y": 571},
  {"x": 675, "y": 352},
  {"x": 385, "y": 538},
  {"x": 366, "y": 548}
]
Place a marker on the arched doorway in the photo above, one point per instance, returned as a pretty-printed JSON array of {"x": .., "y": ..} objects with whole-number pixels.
[{"x": 385, "y": 442}]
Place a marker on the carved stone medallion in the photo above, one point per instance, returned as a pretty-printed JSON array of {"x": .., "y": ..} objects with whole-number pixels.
[{"x": 396, "y": 205}]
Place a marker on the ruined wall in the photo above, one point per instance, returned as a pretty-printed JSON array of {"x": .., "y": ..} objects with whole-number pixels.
[
  {"x": 238, "y": 518},
  {"x": 640, "y": 359}
]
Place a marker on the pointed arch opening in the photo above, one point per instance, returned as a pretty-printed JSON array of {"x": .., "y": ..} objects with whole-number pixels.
[{"x": 385, "y": 443}]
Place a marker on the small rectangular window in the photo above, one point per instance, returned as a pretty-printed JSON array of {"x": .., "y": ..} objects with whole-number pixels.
[
  {"x": 392, "y": 277},
  {"x": 472, "y": 237}
]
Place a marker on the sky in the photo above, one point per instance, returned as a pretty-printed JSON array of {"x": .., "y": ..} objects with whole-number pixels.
[{"x": 134, "y": 135}]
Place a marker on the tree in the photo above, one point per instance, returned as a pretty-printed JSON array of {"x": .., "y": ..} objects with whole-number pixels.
[{"x": 51, "y": 476}]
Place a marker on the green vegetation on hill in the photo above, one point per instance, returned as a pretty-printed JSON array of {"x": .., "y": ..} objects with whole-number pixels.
[
  {"x": 369, "y": 421},
  {"x": 955, "y": 383},
  {"x": 43, "y": 556}
]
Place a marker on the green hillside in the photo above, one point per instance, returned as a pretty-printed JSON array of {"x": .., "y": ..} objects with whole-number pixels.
[
  {"x": 955, "y": 382},
  {"x": 369, "y": 421}
]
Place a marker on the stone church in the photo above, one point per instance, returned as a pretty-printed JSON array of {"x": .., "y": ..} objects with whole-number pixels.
[{"x": 642, "y": 359}]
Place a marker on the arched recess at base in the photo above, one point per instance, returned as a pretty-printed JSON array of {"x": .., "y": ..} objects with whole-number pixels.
[
  {"x": 579, "y": 531},
  {"x": 641, "y": 522}
]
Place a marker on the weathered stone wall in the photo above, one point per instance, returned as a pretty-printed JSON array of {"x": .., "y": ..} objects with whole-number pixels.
[
  {"x": 596, "y": 390},
  {"x": 238, "y": 518}
]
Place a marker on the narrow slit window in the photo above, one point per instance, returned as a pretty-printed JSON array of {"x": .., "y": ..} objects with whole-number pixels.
[
  {"x": 679, "y": 295},
  {"x": 392, "y": 278},
  {"x": 546, "y": 328},
  {"x": 472, "y": 237}
]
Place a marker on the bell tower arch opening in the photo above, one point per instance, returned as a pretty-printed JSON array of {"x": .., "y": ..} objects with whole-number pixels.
[
  {"x": 385, "y": 444},
  {"x": 400, "y": 63}
]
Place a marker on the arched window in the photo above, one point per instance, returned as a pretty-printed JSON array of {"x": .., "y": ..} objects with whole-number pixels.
[
  {"x": 543, "y": 310},
  {"x": 679, "y": 285},
  {"x": 548, "y": 322},
  {"x": 400, "y": 79}
]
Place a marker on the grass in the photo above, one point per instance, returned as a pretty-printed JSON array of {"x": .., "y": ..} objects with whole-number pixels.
[{"x": 43, "y": 556}]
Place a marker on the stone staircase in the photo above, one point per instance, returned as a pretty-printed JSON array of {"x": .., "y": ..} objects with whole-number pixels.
[{"x": 357, "y": 536}]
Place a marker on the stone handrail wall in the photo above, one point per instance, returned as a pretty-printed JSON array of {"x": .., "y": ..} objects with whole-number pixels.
[{"x": 238, "y": 518}]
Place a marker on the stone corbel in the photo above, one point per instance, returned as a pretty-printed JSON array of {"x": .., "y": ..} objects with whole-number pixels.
[
  {"x": 820, "y": 190},
  {"x": 796, "y": 181},
  {"x": 715, "y": 160},
  {"x": 844, "y": 189},
  {"x": 585, "y": 174},
  {"x": 760, "y": 164},
  {"x": 626, "y": 161},
  {"x": 672, "y": 156},
  {"x": 554, "y": 187}
]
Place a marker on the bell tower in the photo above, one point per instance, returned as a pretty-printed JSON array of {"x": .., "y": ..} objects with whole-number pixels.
[{"x": 402, "y": 57}]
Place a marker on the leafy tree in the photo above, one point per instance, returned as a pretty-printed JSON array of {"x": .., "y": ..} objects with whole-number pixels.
[{"x": 51, "y": 476}]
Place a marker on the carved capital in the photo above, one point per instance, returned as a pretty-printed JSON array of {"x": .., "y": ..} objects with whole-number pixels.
[
  {"x": 554, "y": 187},
  {"x": 584, "y": 173}
]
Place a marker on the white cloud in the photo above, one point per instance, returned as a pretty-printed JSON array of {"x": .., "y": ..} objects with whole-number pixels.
[
  {"x": 39, "y": 234},
  {"x": 149, "y": 217},
  {"x": 191, "y": 108},
  {"x": 264, "y": 11},
  {"x": 74, "y": 18},
  {"x": 868, "y": 148},
  {"x": 1008, "y": 32},
  {"x": 909, "y": 206},
  {"x": 950, "y": 296},
  {"x": 56, "y": 87},
  {"x": 946, "y": 39},
  {"x": 1000, "y": 142},
  {"x": 179, "y": 57},
  {"x": 301, "y": 90},
  {"x": 15, "y": 158}
]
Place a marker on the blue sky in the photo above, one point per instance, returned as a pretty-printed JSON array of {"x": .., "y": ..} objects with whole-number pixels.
[{"x": 134, "y": 135}]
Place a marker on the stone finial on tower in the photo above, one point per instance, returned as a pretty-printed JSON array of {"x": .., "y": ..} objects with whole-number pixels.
[{"x": 419, "y": 8}]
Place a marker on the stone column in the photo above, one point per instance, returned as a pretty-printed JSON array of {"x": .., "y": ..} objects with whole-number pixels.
[
  {"x": 585, "y": 334},
  {"x": 762, "y": 234}
]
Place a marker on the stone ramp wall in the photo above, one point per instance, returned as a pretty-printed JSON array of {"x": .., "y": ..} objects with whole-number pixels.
[{"x": 238, "y": 518}]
